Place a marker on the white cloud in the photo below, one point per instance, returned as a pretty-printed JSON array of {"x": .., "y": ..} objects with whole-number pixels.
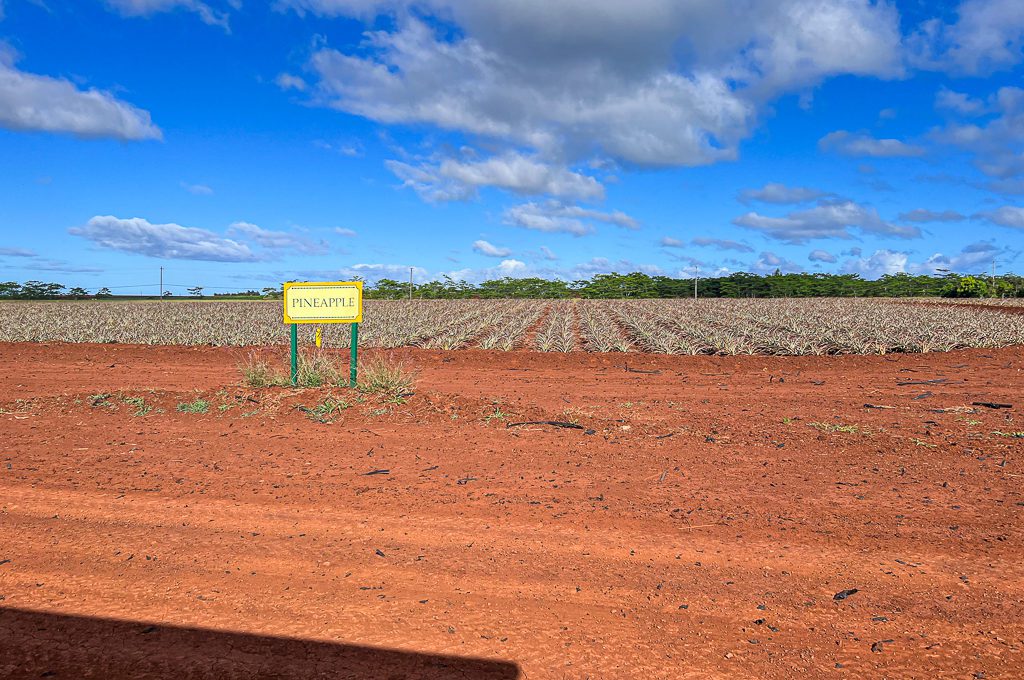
[
  {"x": 554, "y": 216},
  {"x": 879, "y": 263},
  {"x": 35, "y": 103},
  {"x": 770, "y": 262},
  {"x": 428, "y": 184},
  {"x": 17, "y": 252},
  {"x": 490, "y": 250},
  {"x": 974, "y": 257},
  {"x": 142, "y": 8},
  {"x": 829, "y": 219},
  {"x": 925, "y": 215},
  {"x": 510, "y": 267},
  {"x": 197, "y": 189},
  {"x": 722, "y": 244},
  {"x": 998, "y": 143},
  {"x": 452, "y": 179},
  {"x": 341, "y": 231},
  {"x": 860, "y": 144},
  {"x": 959, "y": 103},
  {"x": 669, "y": 242},
  {"x": 522, "y": 175},
  {"x": 780, "y": 194},
  {"x": 653, "y": 82},
  {"x": 1006, "y": 216},
  {"x": 821, "y": 256},
  {"x": 286, "y": 81},
  {"x": 603, "y": 265},
  {"x": 547, "y": 254},
  {"x": 987, "y": 36},
  {"x": 278, "y": 240},
  {"x": 376, "y": 271},
  {"x": 170, "y": 241}
]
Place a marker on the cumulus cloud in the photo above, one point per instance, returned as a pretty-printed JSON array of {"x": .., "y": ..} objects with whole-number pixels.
[
  {"x": 770, "y": 262},
  {"x": 879, "y": 263},
  {"x": 780, "y": 194},
  {"x": 554, "y": 216},
  {"x": 36, "y": 103},
  {"x": 377, "y": 271},
  {"x": 604, "y": 265},
  {"x": 342, "y": 231},
  {"x": 510, "y": 267},
  {"x": 490, "y": 250},
  {"x": 278, "y": 240},
  {"x": 453, "y": 179},
  {"x": 576, "y": 77},
  {"x": 722, "y": 244},
  {"x": 1006, "y": 216},
  {"x": 974, "y": 257},
  {"x": 861, "y": 144},
  {"x": 987, "y": 36},
  {"x": 829, "y": 219},
  {"x": 170, "y": 241},
  {"x": 142, "y": 8},
  {"x": 959, "y": 103},
  {"x": 998, "y": 143},
  {"x": 821, "y": 256},
  {"x": 925, "y": 215},
  {"x": 669, "y": 242}
]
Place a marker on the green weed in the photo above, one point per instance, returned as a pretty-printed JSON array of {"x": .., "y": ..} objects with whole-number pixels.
[
  {"x": 197, "y": 406},
  {"x": 141, "y": 407}
]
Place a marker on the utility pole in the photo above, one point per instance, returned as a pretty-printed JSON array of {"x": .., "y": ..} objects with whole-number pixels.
[
  {"x": 410, "y": 284},
  {"x": 161, "y": 284},
  {"x": 696, "y": 275},
  {"x": 992, "y": 279}
]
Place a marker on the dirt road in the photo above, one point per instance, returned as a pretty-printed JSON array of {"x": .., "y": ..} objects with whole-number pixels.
[{"x": 704, "y": 521}]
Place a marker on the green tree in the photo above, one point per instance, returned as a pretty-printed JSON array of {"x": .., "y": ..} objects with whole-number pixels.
[
  {"x": 37, "y": 290},
  {"x": 966, "y": 287}
]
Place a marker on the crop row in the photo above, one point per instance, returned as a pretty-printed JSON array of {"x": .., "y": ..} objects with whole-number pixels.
[{"x": 780, "y": 327}]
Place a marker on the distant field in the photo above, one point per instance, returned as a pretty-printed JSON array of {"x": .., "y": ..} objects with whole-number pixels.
[{"x": 725, "y": 327}]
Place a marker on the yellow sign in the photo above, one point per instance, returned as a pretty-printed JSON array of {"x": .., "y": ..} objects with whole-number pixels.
[{"x": 337, "y": 302}]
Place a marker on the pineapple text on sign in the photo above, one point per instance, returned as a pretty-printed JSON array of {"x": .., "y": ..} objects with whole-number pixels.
[{"x": 315, "y": 302}]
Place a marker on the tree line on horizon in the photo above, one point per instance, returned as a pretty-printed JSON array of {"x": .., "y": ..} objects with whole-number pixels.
[{"x": 633, "y": 285}]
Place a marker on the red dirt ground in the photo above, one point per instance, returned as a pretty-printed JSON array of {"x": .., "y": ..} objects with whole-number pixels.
[{"x": 701, "y": 530}]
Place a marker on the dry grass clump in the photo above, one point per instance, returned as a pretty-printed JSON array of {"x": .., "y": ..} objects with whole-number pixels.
[
  {"x": 258, "y": 371},
  {"x": 386, "y": 377},
  {"x": 378, "y": 375},
  {"x": 316, "y": 369}
]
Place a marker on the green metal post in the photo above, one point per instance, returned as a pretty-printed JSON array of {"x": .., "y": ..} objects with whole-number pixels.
[
  {"x": 354, "y": 356},
  {"x": 295, "y": 354}
]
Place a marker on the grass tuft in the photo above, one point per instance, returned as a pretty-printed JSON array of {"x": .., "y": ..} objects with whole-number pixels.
[
  {"x": 257, "y": 371},
  {"x": 386, "y": 377},
  {"x": 326, "y": 410},
  {"x": 834, "y": 427}
]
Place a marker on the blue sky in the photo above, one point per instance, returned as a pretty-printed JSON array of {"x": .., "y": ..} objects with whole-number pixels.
[{"x": 239, "y": 144}]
